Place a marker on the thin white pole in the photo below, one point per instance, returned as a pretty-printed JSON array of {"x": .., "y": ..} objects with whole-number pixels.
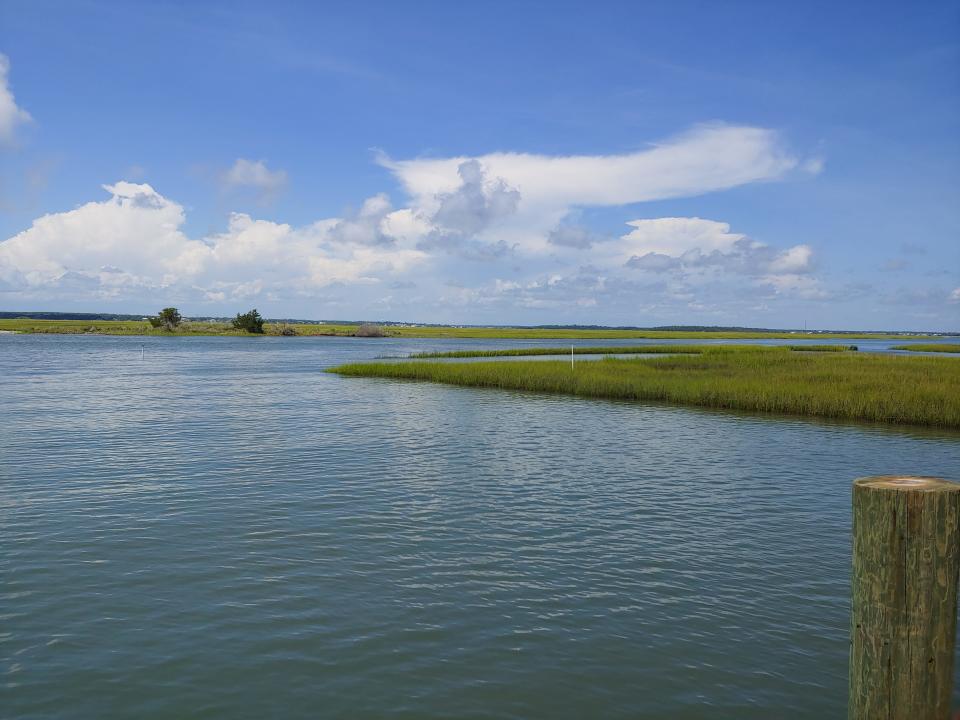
[{"x": 571, "y": 357}]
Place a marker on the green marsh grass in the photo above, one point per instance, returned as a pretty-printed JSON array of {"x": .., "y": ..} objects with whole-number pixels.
[
  {"x": 822, "y": 348},
  {"x": 625, "y": 350},
  {"x": 851, "y": 386},
  {"x": 930, "y": 347}
]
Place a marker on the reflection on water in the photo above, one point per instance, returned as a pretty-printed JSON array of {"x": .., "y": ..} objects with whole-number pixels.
[{"x": 221, "y": 529}]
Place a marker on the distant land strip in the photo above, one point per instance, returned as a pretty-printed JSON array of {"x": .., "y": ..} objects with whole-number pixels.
[{"x": 217, "y": 326}]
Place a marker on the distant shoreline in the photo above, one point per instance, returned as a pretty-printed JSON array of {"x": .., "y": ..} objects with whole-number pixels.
[{"x": 208, "y": 328}]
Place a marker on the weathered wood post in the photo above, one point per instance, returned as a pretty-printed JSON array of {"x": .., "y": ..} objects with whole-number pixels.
[{"x": 906, "y": 556}]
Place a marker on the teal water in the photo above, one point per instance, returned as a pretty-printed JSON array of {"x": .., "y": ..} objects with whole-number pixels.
[{"x": 220, "y": 529}]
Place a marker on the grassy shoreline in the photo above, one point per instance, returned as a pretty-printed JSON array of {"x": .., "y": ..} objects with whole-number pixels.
[
  {"x": 850, "y": 386},
  {"x": 930, "y": 347},
  {"x": 625, "y": 350},
  {"x": 134, "y": 327}
]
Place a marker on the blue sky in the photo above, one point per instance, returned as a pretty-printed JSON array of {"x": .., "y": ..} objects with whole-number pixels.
[{"x": 762, "y": 164}]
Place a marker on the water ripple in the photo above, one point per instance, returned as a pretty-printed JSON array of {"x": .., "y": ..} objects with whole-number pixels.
[{"x": 222, "y": 530}]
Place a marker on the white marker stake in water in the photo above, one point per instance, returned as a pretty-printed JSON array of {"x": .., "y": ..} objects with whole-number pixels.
[
  {"x": 141, "y": 352},
  {"x": 571, "y": 357}
]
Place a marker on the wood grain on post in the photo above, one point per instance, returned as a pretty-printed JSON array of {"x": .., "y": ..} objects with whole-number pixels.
[{"x": 906, "y": 558}]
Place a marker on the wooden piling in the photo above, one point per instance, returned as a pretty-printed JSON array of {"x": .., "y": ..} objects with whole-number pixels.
[{"x": 906, "y": 558}]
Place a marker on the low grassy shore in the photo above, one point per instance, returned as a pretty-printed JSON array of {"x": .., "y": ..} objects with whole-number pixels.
[
  {"x": 188, "y": 327},
  {"x": 626, "y": 350},
  {"x": 137, "y": 327},
  {"x": 930, "y": 347},
  {"x": 851, "y": 386}
]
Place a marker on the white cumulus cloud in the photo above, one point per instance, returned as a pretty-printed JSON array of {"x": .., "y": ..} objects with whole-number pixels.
[
  {"x": 697, "y": 246},
  {"x": 369, "y": 226},
  {"x": 544, "y": 188},
  {"x": 134, "y": 241},
  {"x": 11, "y": 115},
  {"x": 704, "y": 160},
  {"x": 675, "y": 236},
  {"x": 134, "y": 233}
]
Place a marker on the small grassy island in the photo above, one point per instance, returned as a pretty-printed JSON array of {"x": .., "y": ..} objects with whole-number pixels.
[
  {"x": 930, "y": 347},
  {"x": 843, "y": 385}
]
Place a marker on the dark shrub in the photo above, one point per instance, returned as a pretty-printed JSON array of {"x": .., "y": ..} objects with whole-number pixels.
[
  {"x": 168, "y": 318},
  {"x": 369, "y": 330},
  {"x": 250, "y": 321}
]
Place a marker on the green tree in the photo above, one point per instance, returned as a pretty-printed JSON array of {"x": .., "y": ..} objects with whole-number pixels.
[
  {"x": 168, "y": 318},
  {"x": 250, "y": 321}
]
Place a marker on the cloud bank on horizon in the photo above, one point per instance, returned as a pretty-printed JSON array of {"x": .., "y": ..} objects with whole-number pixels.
[{"x": 492, "y": 209}]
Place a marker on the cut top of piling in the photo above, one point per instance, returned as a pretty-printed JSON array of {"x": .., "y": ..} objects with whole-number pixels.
[{"x": 908, "y": 483}]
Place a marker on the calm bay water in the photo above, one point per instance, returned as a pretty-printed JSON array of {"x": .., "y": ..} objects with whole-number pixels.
[{"x": 223, "y": 530}]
